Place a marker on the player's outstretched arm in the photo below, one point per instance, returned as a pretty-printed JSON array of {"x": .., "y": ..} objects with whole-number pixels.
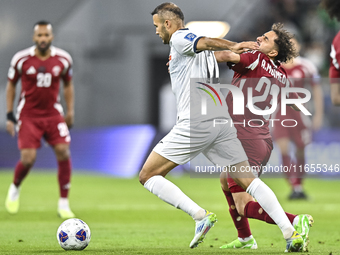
[
  {"x": 216, "y": 44},
  {"x": 69, "y": 99},
  {"x": 227, "y": 56},
  {"x": 335, "y": 93},
  {"x": 10, "y": 96}
]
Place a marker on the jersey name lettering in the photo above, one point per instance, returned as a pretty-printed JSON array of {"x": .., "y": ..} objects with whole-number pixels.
[{"x": 276, "y": 74}]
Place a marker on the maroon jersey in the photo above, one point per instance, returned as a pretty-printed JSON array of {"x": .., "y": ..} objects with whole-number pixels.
[
  {"x": 40, "y": 80},
  {"x": 334, "y": 69},
  {"x": 303, "y": 74},
  {"x": 266, "y": 78}
]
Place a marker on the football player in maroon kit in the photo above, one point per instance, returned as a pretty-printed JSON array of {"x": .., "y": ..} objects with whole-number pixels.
[
  {"x": 333, "y": 9},
  {"x": 39, "y": 112},
  {"x": 303, "y": 74},
  {"x": 261, "y": 71}
]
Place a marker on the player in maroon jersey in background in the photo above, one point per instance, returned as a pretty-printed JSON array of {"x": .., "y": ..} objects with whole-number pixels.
[
  {"x": 333, "y": 9},
  {"x": 260, "y": 70},
  {"x": 303, "y": 74},
  {"x": 39, "y": 112}
]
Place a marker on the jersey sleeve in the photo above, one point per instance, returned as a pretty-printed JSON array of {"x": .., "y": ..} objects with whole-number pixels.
[
  {"x": 334, "y": 69},
  {"x": 248, "y": 61},
  {"x": 67, "y": 73},
  {"x": 14, "y": 74},
  {"x": 185, "y": 43}
]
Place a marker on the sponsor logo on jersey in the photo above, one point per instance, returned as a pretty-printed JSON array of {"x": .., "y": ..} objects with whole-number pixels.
[
  {"x": 190, "y": 37},
  {"x": 31, "y": 70}
]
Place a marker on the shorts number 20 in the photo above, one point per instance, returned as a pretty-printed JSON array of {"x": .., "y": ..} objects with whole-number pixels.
[{"x": 63, "y": 130}]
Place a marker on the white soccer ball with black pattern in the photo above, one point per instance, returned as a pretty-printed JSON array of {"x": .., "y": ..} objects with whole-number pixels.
[{"x": 74, "y": 234}]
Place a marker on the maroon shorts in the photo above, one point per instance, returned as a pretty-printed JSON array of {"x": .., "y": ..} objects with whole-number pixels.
[
  {"x": 258, "y": 152},
  {"x": 53, "y": 129}
]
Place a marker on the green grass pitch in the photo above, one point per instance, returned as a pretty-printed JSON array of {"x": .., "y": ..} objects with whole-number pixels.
[{"x": 125, "y": 218}]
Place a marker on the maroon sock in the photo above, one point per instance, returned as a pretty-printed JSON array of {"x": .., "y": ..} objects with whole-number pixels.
[
  {"x": 291, "y": 175},
  {"x": 241, "y": 223},
  {"x": 64, "y": 177},
  {"x": 300, "y": 170},
  {"x": 20, "y": 173},
  {"x": 254, "y": 210},
  {"x": 286, "y": 163}
]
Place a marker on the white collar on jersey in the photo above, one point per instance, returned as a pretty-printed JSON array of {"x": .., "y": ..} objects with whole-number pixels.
[{"x": 32, "y": 50}]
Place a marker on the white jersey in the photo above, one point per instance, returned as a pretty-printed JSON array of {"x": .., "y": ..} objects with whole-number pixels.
[{"x": 185, "y": 65}]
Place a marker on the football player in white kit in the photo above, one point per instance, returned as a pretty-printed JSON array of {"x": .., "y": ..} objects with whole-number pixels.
[{"x": 191, "y": 56}]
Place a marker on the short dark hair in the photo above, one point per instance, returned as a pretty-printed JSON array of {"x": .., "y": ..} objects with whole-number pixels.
[
  {"x": 332, "y": 7},
  {"x": 42, "y": 23},
  {"x": 168, "y": 7},
  {"x": 286, "y": 49}
]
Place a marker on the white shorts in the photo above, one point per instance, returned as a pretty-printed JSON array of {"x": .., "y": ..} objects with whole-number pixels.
[{"x": 186, "y": 140}]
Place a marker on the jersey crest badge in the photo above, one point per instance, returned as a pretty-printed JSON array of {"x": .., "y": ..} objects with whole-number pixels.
[
  {"x": 56, "y": 70},
  {"x": 190, "y": 37}
]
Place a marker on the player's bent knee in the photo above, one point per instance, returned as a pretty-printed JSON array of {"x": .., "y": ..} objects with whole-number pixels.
[
  {"x": 146, "y": 173},
  {"x": 62, "y": 151},
  {"x": 241, "y": 201},
  {"x": 143, "y": 177},
  {"x": 240, "y": 210},
  {"x": 28, "y": 162},
  {"x": 62, "y": 154}
]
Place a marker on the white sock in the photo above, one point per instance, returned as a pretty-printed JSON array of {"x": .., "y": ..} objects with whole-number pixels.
[
  {"x": 199, "y": 215},
  {"x": 170, "y": 193},
  {"x": 13, "y": 192},
  {"x": 63, "y": 203},
  {"x": 268, "y": 201},
  {"x": 246, "y": 239},
  {"x": 298, "y": 188}
]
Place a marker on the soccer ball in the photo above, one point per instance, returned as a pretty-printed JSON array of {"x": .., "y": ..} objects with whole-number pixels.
[{"x": 73, "y": 234}]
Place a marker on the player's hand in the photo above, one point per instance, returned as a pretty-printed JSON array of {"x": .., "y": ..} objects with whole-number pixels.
[
  {"x": 10, "y": 127},
  {"x": 69, "y": 119},
  {"x": 244, "y": 46}
]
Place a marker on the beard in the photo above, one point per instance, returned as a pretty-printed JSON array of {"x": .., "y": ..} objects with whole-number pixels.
[
  {"x": 166, "y": 36},
  {"x": 43, "y": 47}
]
